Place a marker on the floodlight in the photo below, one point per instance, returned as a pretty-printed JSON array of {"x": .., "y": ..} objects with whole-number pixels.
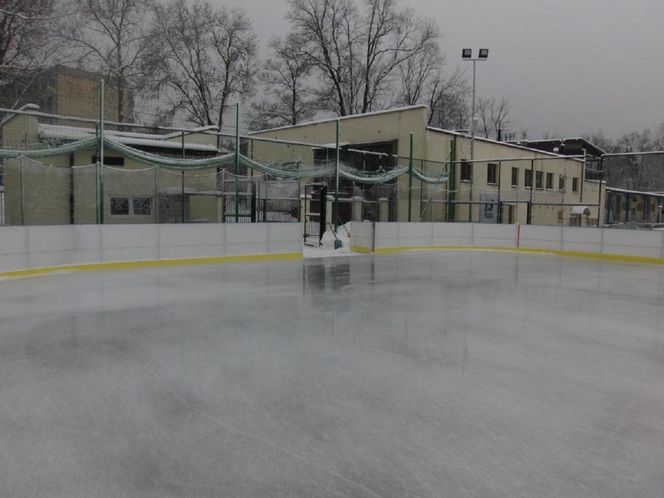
[
  {"x": 467, "y": 53},
  {"x": 484, "y": 53}
]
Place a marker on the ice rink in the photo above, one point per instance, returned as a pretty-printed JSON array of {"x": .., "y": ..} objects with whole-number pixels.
[{"x": 423, "y": 374}]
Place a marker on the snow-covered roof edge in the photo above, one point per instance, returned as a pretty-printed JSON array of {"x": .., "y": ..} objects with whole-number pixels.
[
  {"x": 506, "y": 144},
  {"x": 562, "y": 140},
  {"x": 10, "y": 116},
  {"x": 635, "y": 192},
  {"x": 341, "y": 118}
]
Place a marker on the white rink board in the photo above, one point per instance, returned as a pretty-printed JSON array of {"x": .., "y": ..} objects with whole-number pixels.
[
  {"x": 576, "y": 239},
  {"x": 42, "y": 246}
]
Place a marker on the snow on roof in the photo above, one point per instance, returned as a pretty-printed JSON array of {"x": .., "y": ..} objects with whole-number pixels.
[
  {"x": 560, "y": 140},
  {"x": 635, "y": 192},
  {"x": 342, "y": 118},
  {"x": 10, "y": 116},
  {"x": 506, "y": 144},
  {"x": 61, "y": 132}
]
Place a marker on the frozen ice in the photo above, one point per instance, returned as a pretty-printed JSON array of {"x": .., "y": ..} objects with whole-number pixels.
[{"x": 421, "y": 374}]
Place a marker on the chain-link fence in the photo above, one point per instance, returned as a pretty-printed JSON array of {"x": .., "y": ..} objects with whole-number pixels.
[{"x": 63, "y": 169}]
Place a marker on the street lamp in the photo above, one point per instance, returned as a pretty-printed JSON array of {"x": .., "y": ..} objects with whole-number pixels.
[{"x": 467, "y": 55}]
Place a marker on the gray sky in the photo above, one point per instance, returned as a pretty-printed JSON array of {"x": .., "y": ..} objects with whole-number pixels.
[{"x": 568, "y": 66}]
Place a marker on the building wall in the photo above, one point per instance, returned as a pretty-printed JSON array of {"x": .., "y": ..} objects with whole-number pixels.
[
  {"x": 431, "y": 148},
  {"x": 77, "y": 94},
  {"x": 52, "y": 192}
]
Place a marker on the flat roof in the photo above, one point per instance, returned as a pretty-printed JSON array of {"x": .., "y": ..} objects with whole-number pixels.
[
  {"x": 62, "y": 132},
  {"x": 635, "y": 192},
  {"x": 506, "y": 144},
  {"x": 340, "y": 118}
]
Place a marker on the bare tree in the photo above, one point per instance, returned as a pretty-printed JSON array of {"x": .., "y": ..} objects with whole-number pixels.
[
  {"x": 419, "y": 73},
  {"x": 500, "y": 116},
  {"x": 201, "y": 58},
  {"x": 483, "y": 117},
  {"x": 284, "y": 76},
  {"x": 26, "y": 46},
  {"x": 357, "y": 51},
  {"x": 493, "y": 116},
  {"x": 448, "y": 101},
  {"x": 110, "y": 36}
]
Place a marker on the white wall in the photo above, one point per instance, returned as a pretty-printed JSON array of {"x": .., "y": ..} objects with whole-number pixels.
[
  {"x": 39, "y": 246},
  {"x": 361, "y": 234},
  {"x": 592, "y": 240}
]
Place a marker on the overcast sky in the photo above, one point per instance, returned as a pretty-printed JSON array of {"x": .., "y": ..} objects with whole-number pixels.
[{"x": 568, "y": 66}]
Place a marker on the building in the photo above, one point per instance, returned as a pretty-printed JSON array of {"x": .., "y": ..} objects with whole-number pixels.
[
  {"x": 64, "y": 188},
  {"x": 564, "y": 146},
  {"x": 506, "y": 183},
  {"x": 632, "y": 206},
  {"x": 435, "y": 179},
  {"x": 68, "y": 91}
]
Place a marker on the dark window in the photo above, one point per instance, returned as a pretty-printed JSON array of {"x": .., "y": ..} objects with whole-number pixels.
[
  {"x": 575, "y": 184},
  {"x": 465, "y": 171},
  {"x": 111, "y": 161},
  {"x": 142, "y": 206},
  {"x": 538, "y": 179},
  {"x": 549, "y": 181},
  {"x": 492, "y": 174},
  {"x": 515, "y": 177},
  {"x": 120, "y": 205},
  {"x": 561, "y": 183},
  {"x": 528, "y": 180}
]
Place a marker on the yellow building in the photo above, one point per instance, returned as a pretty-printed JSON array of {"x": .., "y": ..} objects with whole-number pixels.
[
  {"x": 71, "y": 92},
  {"x": 64, "y": 188},
  {"x": 505, "y": 183}
]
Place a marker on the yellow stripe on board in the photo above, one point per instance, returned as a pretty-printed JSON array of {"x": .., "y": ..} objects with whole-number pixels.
[
  {"x": 623, "y": 258},
  {"x": 156, "y": 263}
]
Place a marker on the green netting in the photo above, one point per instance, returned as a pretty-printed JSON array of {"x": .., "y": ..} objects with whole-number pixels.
[
  {"x": 287, "y": 170},
  {"x": 49, "y": 152}
]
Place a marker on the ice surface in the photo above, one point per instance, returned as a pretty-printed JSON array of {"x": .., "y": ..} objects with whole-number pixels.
[{"x": 422, "y": 374}]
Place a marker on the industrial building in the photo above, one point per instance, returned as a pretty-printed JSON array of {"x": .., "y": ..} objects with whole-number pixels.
[{"x": 505, "y": 183}]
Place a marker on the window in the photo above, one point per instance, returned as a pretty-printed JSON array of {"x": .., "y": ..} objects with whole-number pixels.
[
  {"x": 561, "y": 183},
  {"x": 549, "y": 181},
  {"x": 538, "y": 179},
  {"x": 492, "y": 174},
  {"x": 575, "y": 184},
  {"x": 119, "y": 205},
  {"x": 528, "y": 180},
  {"x": 110, "y": 161},
  {"x": 465, "y": 171},
  {"x": 131, "y": 206},
  {"x": 515, "y": 177},
  {"x": 142, "y": 206}
]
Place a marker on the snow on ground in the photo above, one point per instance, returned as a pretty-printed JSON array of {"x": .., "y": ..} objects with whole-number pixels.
[{"x": 327, "y": 249}]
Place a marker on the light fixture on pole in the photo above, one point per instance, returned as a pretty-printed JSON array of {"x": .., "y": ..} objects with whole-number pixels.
[{"x": 467, "y": 55}]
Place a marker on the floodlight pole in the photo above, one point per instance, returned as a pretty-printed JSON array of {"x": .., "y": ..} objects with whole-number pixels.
[
  {"x": 467, "y": 55},
  {"x": 472, "y": 122}
]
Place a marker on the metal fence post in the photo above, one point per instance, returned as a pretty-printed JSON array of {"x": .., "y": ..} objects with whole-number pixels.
[
  {"x": 100, "y": 159},
  {"x": 410, "y": 180},
  {"x": 451, "y": 182},
  {"x": 335, "y": 209},
  {"x": 20, "y": 166},
  {"x": 529, "y": 214},
  {"x": 237, "y": 162},
  {"x": 182, "y": 207}
]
